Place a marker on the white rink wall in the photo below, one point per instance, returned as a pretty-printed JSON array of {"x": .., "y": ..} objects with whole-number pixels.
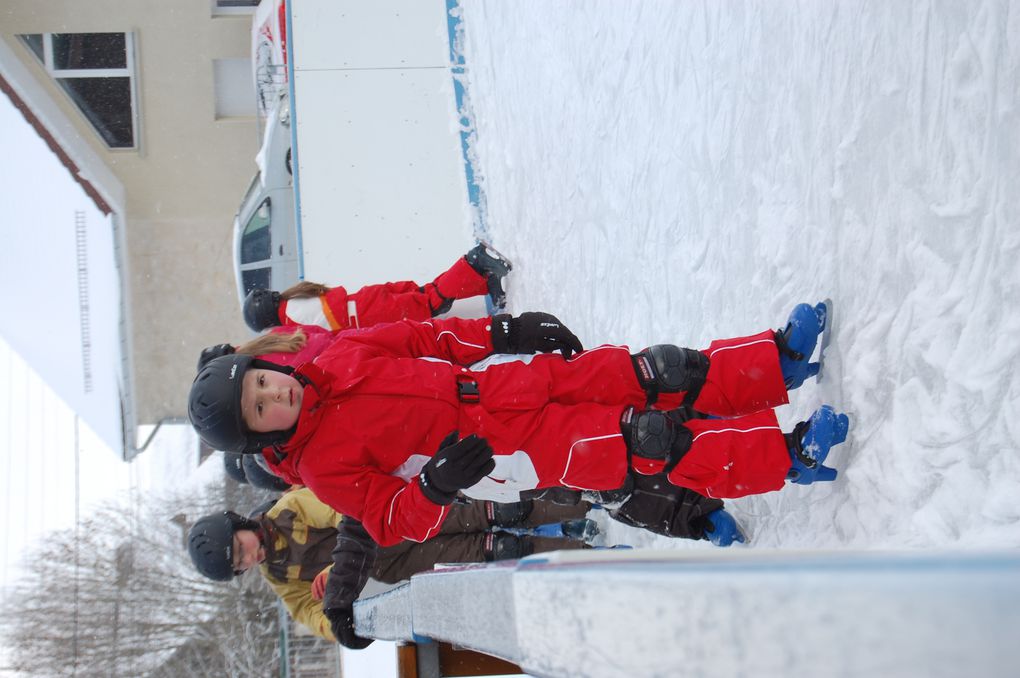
[
  {"x": 791, "y": 614},
  {"x": 379, "y": 177}
]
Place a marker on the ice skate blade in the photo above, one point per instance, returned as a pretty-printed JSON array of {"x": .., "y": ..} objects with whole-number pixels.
[{"x": 826, "y": 337}]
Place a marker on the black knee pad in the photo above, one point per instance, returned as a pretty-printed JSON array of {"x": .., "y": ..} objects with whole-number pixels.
[
  {"x": 506, "y": 546},
  {"x": 508, "y": 515},
  {"x": 443, "y": 307},
  {"x": 650, "y": 434},
  {"x": 654, "y": 434},
  {"x": 667, "y": 368}
]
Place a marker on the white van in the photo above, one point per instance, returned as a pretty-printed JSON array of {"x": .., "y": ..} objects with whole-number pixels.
[{"x": 265, "y": 234}]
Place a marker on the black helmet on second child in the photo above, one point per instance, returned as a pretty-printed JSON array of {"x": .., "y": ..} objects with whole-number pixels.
[
  {"x": 211, "y": 543},
  {"x": 260, "y": 476},
  {"x": 232, "y": 464},
  {"x": 214, "y": 405},
  {"x": 210, "y": 352},
  {"x": 261, "y": 309}
]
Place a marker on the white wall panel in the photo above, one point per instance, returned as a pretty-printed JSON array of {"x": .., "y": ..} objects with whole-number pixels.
[
  {"x": 337, "y": 34},
  {"x": 381, "y": 182}
]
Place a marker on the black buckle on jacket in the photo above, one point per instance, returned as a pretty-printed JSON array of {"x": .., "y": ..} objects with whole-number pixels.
[{"x": 467, "y": 390}]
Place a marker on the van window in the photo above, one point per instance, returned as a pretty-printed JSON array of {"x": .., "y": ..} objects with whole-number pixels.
[
  {"x": 256, "y": 242},
  {"x": 256, "y": 278}
]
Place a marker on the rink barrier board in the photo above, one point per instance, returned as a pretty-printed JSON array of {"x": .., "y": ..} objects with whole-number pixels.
[{"x": 733, "y": 612}]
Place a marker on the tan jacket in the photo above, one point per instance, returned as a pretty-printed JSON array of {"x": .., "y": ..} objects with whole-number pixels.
[{"x": 300, "y": 534}]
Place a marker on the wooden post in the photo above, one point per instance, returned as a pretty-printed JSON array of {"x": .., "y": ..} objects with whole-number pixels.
[
  {"x": 407, "y": 660},
  {"x": 449, "y": 662}
]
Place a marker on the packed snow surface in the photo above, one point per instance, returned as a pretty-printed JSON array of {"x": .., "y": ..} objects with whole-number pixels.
[{"x": 684, "y": 171}]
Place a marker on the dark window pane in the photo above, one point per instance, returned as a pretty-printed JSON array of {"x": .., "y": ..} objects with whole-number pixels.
[
  {"x": 257, "y": 278},
  {"x": 106, "y": 102},
  {"x": 89, "y": 50},
  {"x": 256, "y": 242},
  {"x": 34, "y": 43}
]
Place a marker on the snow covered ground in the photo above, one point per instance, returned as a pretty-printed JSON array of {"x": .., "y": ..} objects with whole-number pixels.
[{"x": 681, "y": 171}]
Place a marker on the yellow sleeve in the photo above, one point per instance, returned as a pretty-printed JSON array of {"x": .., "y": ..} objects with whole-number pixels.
[
  {"x": 307, "y": 508},
  {"x": 307, "y": 611}
]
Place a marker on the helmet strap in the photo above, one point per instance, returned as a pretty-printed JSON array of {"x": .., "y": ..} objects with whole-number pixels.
[
  {"x": 260, "y": 364},
  {"x": 278, "y": 454},
  {"x": 258, "y": 441}
]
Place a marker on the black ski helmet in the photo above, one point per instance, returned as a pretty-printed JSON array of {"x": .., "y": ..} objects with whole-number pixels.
[
  {"x": 261, "y": 477},
  {"x": 214, "y": 405},
  {"x": 261, "y": 309},
  {"x": 211, "y": 543},
  {"x": 211, "y": 352},
  {"x": 234, "y": 466}
]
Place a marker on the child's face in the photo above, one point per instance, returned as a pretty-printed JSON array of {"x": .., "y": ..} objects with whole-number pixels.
[
  {"x": 248, "y": 550},
  {"x": 270, "y": 400}
]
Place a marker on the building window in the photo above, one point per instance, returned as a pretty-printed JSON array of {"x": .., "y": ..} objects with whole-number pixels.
[
  {"x": 222, "y": 7},
  {"x": 235, "y": 91},
  {"x": 97, "y": 71}
]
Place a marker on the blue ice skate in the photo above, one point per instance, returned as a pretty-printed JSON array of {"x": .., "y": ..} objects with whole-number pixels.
[
  {"x": 494, "y": 266},
  {"x": 810, "y": 442},
  {"x": 797, "y": 342},
  {"x": 581, "y": 529},
  {"x": 725, "y": 529}
]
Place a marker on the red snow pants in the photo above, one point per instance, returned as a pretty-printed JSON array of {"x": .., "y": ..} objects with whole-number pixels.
[
  {"x": 565, "y": 414},
  {"x": 390, "y": 302}
]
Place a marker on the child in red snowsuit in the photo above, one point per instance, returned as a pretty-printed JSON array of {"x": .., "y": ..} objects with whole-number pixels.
[
  {"x": 478, "y": 272},
  {"x": 367, "y": 424}
]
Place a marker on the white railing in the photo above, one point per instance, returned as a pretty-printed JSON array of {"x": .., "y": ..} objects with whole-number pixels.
[{"x": 723, "y": 613}]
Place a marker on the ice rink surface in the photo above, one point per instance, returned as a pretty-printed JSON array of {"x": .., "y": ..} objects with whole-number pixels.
[{"x": 681, "y": 171}]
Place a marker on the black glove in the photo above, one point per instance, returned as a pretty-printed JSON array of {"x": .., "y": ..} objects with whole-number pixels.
[
  {"x": 532, "y": 333},
  {"x": 457, "y": 464},
  {"x": 341, "y": 620}
]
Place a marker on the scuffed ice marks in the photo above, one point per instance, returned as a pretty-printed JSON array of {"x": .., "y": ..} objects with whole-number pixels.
[{"x": 678, "y": 171}]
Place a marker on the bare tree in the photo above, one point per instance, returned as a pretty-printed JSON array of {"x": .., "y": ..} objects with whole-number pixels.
[{"x": 120, "y": 597}]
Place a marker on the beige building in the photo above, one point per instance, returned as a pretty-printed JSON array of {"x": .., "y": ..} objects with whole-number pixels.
[{"x": 150, "y": 105}]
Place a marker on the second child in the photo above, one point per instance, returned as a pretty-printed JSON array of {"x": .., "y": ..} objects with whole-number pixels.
[{"x": 478, "y": 272}]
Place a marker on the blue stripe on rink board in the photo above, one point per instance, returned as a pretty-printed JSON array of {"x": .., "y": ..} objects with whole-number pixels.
[
  {"x": 892, "y": 563},
  {"x": 476, "y": 196},
  {"x": 294, "y": 164},
  {"x": 453, "y": 28}
]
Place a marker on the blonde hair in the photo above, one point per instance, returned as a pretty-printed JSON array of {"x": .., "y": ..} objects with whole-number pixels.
[
  {"x": 304, "y": 290},
  {"x": 274, "y": 342}
]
